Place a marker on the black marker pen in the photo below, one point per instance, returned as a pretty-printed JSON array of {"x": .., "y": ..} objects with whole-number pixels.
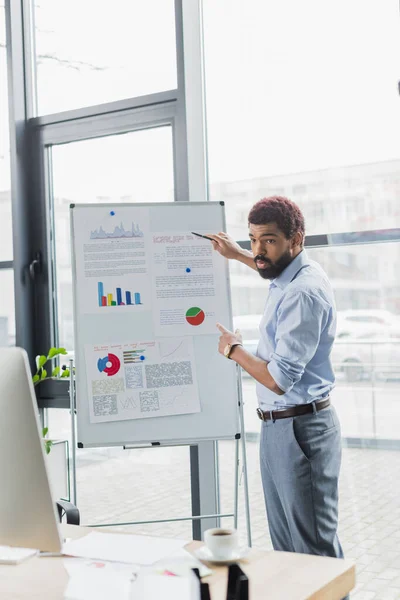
[{"x": 202, "y": 236}]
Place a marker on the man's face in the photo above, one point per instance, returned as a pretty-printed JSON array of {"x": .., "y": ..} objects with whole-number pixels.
[{"x": 272, "y": 251}]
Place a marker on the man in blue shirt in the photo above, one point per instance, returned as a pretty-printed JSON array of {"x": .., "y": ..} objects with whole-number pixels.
[{"x": 300, "y": 444}]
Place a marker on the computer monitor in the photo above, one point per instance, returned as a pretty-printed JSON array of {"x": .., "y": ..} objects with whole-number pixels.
[{"x": 28, "y": 516}]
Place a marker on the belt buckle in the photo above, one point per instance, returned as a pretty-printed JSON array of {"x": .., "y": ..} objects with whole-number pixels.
[{"x": 260, "y": 414}]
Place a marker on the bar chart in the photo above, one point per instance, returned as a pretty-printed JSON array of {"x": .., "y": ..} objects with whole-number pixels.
[{"x": 120, "y": 298}]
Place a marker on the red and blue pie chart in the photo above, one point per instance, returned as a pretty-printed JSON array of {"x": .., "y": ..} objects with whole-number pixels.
[
  {"x": 195, "y": 316},
  {"x": 109, "y": 365}
]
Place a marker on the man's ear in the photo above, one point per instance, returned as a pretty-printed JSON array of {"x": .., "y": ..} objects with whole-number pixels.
[{"x": 297, "y": 239}]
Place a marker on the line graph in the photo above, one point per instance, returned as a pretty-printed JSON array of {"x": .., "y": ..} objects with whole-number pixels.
[{"x": 173, "y": 349}]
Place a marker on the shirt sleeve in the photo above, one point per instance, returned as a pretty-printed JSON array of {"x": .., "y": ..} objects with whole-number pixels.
[{"x": 300, "y": 320}]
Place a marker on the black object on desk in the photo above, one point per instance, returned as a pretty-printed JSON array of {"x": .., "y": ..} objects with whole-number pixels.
[
  {"x": 204, "y": 587},
  {"x": 238, "y": 584}
]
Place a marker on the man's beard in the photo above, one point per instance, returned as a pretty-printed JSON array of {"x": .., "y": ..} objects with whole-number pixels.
[{"x": 273, "y": 269}]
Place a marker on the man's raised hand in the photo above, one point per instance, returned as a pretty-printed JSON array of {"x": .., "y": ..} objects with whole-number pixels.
[{"x": 225, "y": 245}]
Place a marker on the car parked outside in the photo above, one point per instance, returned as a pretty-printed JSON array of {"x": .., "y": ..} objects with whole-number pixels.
[
  {"x": 367, "y": 343},
  {"x": 356, "y": 322},
  {"x": 367, "y": 356}
]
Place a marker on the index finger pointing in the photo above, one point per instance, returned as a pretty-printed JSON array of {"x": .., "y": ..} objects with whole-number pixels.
[{"x": 222, "y": 328}]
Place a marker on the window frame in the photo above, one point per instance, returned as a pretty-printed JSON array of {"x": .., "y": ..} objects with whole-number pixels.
[{"x": 31, "y": 139}]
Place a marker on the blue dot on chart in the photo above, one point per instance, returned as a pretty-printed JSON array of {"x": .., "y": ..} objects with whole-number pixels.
[
  {"x": 112, "y": 213},
  {"x": 142, "y": 357},
  {"x": 188, "y": 270}
]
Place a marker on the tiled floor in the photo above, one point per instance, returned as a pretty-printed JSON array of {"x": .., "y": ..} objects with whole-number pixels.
[{"x": 117, "y": 486}]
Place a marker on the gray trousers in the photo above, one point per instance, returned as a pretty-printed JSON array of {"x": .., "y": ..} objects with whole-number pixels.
[{"x": 300, "y": 463}]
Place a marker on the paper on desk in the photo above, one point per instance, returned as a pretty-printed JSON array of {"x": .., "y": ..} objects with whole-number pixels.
[
  {"x": 81, "y": 566},
  {"x": 100, "y": 585},
  {"x": 151, "y": 587},
  {"x": 101, "y": 580},
  {"x": 180, "y": 563},
  {"x": 132, "y": 549}
]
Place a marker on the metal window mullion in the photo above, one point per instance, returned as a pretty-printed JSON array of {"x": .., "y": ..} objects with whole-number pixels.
[
  {"x": 7, "y": 264},
  {"x": 346, "y": 238},
  {"x": 108, "y": 108},
  {"x": 42, "y": 303},
  {"x": 191, "y": 129},
  {"x": 194, "y": 100},
  {"x": 28, "y": 33},
  {"x": 20, "y": 173},
  {"x": 180, "y": 148},
  {"x": 104, "y": 125},
  {"x": 51, "y": 254}
]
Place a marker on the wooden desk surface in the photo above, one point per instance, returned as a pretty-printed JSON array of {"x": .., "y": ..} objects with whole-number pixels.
[{"x": 273, "y": 575}]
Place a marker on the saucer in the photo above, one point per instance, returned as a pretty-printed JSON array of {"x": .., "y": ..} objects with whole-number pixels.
[{"x": 203, "y": 553}]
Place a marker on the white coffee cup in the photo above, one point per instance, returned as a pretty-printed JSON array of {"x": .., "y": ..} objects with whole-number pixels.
[{"x": 222, "y": 543}]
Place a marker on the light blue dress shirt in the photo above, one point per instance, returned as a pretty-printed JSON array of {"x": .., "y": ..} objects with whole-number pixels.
[{"x": 297, "y": 332}]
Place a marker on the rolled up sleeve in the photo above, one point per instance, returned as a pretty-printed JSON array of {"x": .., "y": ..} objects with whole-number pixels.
[{"x": 300, "y": 321}]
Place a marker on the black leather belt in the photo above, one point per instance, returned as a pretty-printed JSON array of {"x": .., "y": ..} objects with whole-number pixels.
[{"x": 295, "y": 411}]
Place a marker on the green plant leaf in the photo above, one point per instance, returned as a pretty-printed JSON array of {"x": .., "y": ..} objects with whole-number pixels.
[
  {"x": 65, "y": 373},
  {"x": 35, "y": 378},
  {"x": 45, "y": 431},
  {"x": 47, "y": 445},
  {"x": 40, "y": 361},
  {"x": 55, "y": 371},
  {"x": 43, "y": 374},
  {"x": 55, "y": 352}
]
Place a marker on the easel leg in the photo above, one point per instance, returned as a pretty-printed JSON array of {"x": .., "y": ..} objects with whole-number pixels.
[
  {"x": 73, "y": 427},
  {"x": 236, "y": 504},
  {"x": 244, "y": 459},
  {"x": 217, "y": 483}
]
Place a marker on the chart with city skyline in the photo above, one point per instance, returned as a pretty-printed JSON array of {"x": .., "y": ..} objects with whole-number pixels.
[{"x": 119, "y": 232}]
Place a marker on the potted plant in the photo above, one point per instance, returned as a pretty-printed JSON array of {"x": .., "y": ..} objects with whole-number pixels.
[{"x": 43, "y": 374}]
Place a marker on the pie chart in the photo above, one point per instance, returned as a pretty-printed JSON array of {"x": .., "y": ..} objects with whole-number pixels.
[
  {"x": 195, "y": 316},
  {"x": 110, "y": 364}
]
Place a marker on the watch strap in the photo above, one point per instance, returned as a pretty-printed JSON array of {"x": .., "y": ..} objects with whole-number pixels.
[{"x": 232, "y": 347}]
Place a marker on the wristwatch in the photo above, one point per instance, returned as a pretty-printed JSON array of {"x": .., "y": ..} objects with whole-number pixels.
[{"x": 229, "y": 347}]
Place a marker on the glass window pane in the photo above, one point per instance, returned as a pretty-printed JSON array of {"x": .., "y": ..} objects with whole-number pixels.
[
  {"x": 366, "y": 358},
  {"x": 366, "y": 354},
  {"x": 95, "y": 51},
  {"x": 302, "y": 115},
  {"x": 133, "y": 167},
  {"x": 6, "y": 242},
  {"x": 117, "y": 485},
  {"x": 7, "y": 308}
]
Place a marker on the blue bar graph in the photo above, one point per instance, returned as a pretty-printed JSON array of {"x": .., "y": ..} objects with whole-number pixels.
[
  {"x": 100, "y": 288},
  {"x": 109, "y": 299}
]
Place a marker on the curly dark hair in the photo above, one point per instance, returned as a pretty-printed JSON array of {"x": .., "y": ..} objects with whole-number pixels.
[{"x": 280, "y": 210}]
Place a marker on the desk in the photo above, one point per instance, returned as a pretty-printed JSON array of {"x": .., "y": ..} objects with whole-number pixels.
[{"x": 273, "y": 575}]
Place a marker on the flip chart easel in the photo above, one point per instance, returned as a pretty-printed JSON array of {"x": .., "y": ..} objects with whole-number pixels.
[{"x": 116, "y": 247}]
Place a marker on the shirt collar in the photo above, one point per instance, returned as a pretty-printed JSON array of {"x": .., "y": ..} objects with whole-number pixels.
[{"x": 291, "y": 270}]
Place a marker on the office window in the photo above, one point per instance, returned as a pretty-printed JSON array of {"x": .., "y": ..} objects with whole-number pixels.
[
  {"x": 6, "y": 243},
  {"x": 133, "y": 167},
  {"x": 309, "y": 98},
  {"x": 117, "y": 485},
  {"x": 94, "y": 51},
  {"x": 366, "y": 359},
  {"x": 309, "y": 108}
]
